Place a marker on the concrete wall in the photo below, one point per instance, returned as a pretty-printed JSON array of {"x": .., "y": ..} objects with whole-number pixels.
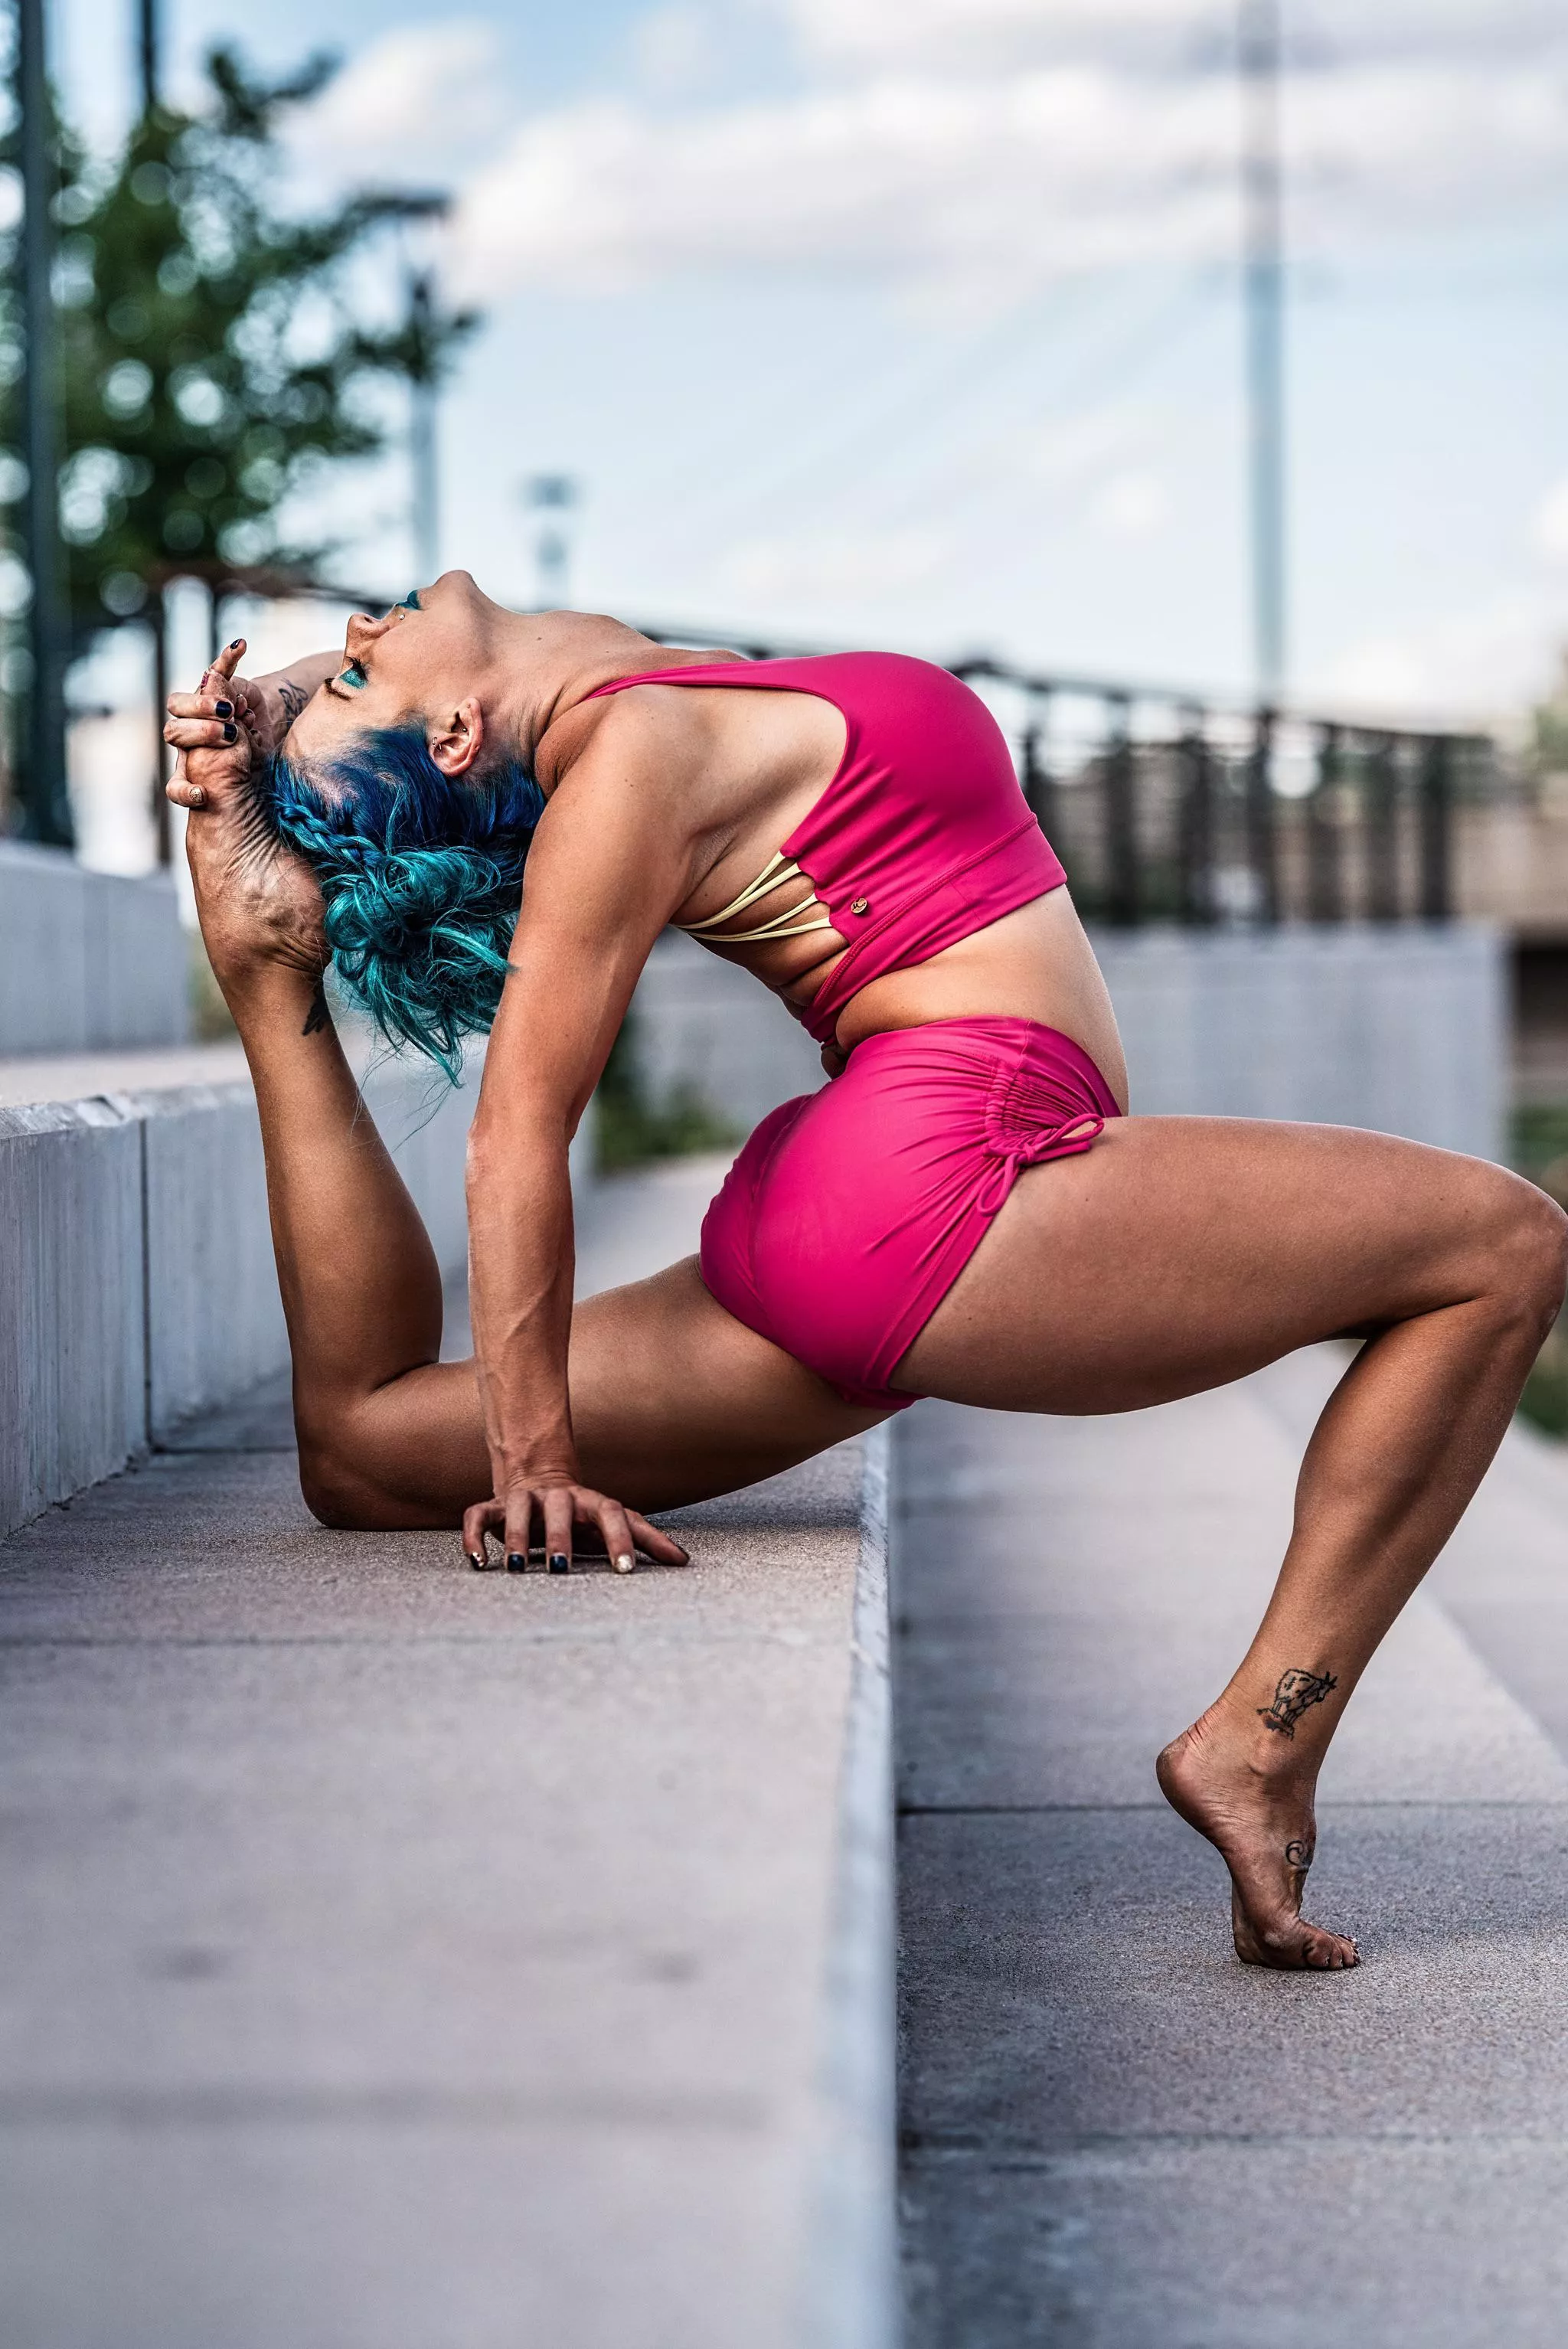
[
  {"x": 707, "y": 1025},
  {"x": 135, "y": 1271},
  {"x": 86, "y": 959},
  {"x": 1404, "y": 1029}
]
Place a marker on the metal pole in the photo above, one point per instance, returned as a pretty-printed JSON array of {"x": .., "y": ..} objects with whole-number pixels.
[
  {"x": 1436, "y": 829},
  {"x": 1263, "y": 857},
  {"x": 47, "y": 807},
  {"x": 422, "y": 437},
  {"x": 1123, "y": 893},
  {"x": 1264, "y": 285},
  {"x": 149, "y": 58},
  {"x": 1195, "y": 822}
]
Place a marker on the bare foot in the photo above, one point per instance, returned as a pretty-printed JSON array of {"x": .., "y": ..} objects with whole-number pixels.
[
  {"x": 256, "y": 900},
  {"x": 1261, "y": 1826}
]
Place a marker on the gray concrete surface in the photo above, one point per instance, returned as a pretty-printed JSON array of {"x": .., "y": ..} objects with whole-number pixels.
[
  {"x": 88, "y": 959},
  {"x": 1114, "y": 2136},
  {"x": 397, "y": 1956}
]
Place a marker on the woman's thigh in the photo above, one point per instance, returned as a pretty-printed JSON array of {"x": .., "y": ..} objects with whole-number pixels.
[
  {"x": 673, "y": 1399},
  {"x": 1180, "y": 1253}
]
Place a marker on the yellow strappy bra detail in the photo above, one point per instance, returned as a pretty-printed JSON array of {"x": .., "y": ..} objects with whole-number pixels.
[{"x": 788, "y": 925}]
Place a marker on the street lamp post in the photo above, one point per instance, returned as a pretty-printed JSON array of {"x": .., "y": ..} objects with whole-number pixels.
[
  {"x": 550, "y": 495},
  {"x": 1263, "y": 281},
  {"x": 148, "y": 47},
  {"x": 422, "y": 444},
  {"x": 46, "y": 805}
]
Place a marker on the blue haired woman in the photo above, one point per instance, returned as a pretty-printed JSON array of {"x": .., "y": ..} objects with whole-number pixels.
[{"x": 485, "y": 821}]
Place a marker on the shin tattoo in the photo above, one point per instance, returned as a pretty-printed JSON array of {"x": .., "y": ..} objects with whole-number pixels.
[{"x": 1298, "y": 1689}]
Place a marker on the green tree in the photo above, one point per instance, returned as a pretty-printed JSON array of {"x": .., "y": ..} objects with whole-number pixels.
[{"x": 215, "y": 351}]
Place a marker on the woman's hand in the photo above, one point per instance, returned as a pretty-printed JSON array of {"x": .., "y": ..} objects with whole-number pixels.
[
  {"x": 258, "y": 902},
  {"x": 561, "y": 1505}
]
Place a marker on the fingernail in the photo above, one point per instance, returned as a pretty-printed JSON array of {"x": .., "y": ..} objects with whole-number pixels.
[
  {"x": 517, "y": 1561},
  {"x": 198, "y": 796},
  {"x": 235, "y": 644},
  {"x": 230, "y": 733},
  {"x": 479, "y": 1560},
  {"x": 624, "y": 1563},
  {"x": 559, "y": 1562},
  {"x": 224, "y": 708}
]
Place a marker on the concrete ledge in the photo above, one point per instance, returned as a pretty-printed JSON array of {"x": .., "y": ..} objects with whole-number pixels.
[
  {"x": 88, "y": 959},
  {"x": 137, "y": 1284}
]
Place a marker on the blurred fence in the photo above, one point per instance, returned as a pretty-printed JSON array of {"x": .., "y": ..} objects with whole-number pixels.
[{"x": 1167, "y": 808}]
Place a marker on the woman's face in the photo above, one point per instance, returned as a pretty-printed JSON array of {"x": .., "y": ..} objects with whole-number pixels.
[{"x": 421, "y": 660}]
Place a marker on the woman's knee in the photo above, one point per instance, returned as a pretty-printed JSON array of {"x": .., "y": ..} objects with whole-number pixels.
[{"x": 1528, "y": 1254}]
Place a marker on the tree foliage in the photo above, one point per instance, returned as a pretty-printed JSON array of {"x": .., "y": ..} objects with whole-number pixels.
[{"x": 216, "y": 350}]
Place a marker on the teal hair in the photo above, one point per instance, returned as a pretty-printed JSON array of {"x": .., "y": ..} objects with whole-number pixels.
[{"x": 421, "y": 876}]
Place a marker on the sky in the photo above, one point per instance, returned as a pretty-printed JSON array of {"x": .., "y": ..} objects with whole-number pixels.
[{"x": 915, "y": 322}]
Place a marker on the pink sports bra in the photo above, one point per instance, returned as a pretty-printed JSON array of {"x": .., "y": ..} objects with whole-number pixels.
[{"x": 923, "y": 836}]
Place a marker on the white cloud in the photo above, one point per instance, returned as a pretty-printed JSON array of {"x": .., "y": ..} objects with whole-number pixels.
[
  {"x": 432, "y": 88},
  {"x": 978, "y": 35},
  {"x": 938, "y": 179},
  {"x": 1551, "y": 530},
  {"x": 1132, "y": 505},
  {"x": 834, "y": 567},
  {"x": 1464, "y": 667}
]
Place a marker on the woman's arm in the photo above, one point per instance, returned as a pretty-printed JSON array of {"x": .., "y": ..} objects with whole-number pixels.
[{"x": 608, "y": 865}]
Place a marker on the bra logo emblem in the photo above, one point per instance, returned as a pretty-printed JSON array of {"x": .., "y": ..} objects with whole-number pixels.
[{"x": 860, "y": 906}]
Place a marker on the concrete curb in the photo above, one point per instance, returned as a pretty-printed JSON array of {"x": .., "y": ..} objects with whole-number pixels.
[{"x": 850, "y": 2297}]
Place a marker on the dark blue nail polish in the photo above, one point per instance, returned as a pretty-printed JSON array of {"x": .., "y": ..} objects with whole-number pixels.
[
  {"x": 230, "y": 733},
  {"x": 559, "y": 1562},
  {"x": 224, "y": 708},
  {"x": 517, "y": 1561},
  {"x": 480, "y": 1562},
  {"x": 235, "y": 643}
]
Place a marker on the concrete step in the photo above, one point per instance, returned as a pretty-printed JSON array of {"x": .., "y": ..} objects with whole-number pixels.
[
  {"x": 1114, "y": 2135},
  {"x": 396, "y": 1955}
]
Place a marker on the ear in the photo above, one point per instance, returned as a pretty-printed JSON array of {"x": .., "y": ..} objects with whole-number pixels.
[{"x": 455, "y": 746}]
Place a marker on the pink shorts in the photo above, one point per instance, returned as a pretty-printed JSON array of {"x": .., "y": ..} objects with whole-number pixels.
[{"x": 850, "y": 1213}]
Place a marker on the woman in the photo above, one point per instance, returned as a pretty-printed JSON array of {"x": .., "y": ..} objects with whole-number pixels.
[{"x": 966, "y": 1211}]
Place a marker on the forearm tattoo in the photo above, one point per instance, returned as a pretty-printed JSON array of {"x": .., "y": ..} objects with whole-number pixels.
[
  {"x": 1298, "y": 1689},
  {"x": 317, "y": 1017},
  {"x": 293, "y": 699}
]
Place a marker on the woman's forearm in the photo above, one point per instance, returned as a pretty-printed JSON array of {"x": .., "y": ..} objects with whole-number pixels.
[{"x": 521, "y": 1262}]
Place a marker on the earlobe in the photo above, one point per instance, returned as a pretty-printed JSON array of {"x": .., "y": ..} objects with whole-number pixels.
[{"x": 457, "y": 745}]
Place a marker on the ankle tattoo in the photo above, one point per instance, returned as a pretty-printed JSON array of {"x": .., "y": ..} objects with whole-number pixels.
[{"x": 1297, "y": 1691}]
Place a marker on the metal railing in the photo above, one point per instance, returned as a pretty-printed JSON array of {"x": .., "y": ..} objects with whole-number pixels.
[
  {"x": 1164, "y": 807},
  {"x": 1167, "y": 809}
]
